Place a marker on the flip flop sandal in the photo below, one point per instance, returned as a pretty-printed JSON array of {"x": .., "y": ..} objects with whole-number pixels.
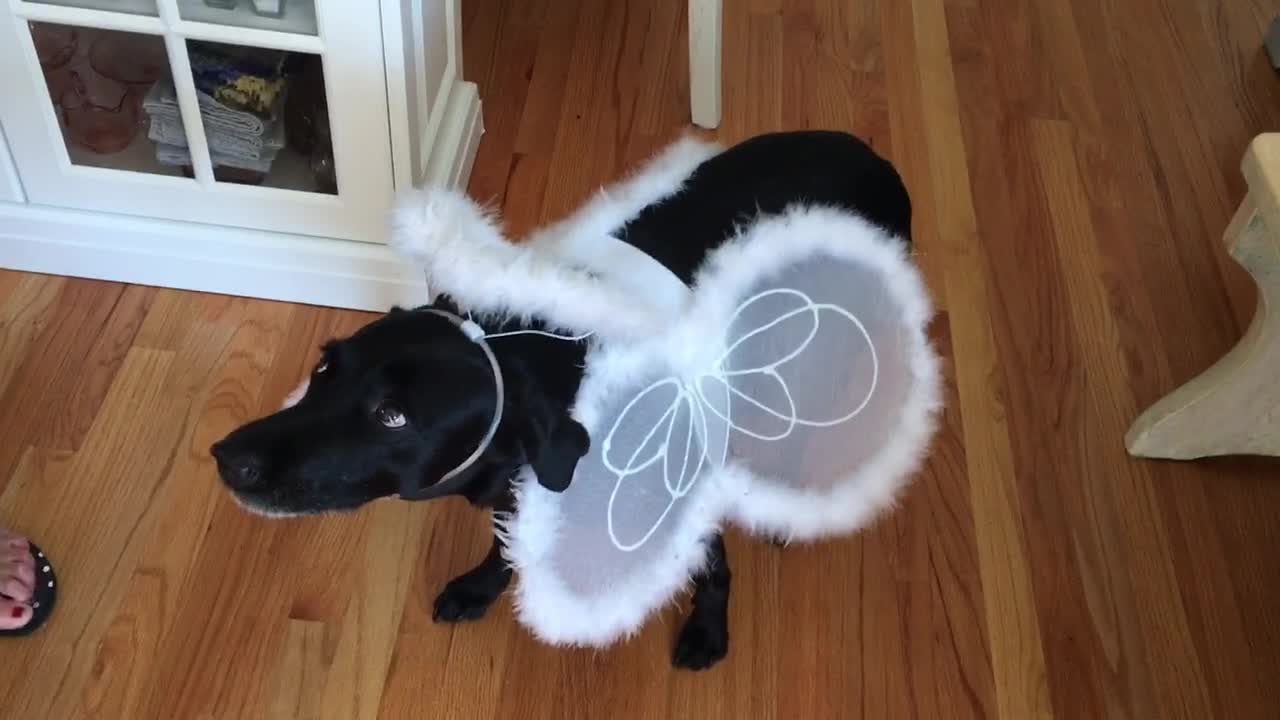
[{"x": 44, "y": 597}]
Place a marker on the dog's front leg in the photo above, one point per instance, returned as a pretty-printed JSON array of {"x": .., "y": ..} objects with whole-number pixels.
[
  {"x": 705, "y": 638},
  {"x": 469, "y": 595}
]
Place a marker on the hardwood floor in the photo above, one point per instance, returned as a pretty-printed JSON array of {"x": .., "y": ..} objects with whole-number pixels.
[{"x": 1073, "y": 166}]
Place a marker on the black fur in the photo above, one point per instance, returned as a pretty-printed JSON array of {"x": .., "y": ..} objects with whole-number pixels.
[
  {"x": 469, "y": 595},
  {"x": 331, "y": 452},
  {"x": 704, "y": 639},
  {"x": 764, "y": 176}
]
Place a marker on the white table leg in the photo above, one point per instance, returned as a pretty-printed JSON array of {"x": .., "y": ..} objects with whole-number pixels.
[{"x": 704, "y": 61}]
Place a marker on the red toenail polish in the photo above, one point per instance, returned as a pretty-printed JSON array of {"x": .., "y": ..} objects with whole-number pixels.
[{"x": 16, "y": 611}]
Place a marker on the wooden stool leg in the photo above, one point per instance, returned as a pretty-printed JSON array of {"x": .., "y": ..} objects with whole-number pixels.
[
  {"x": 704, "y": 62},
  {"x": 1233, "y": 408}
]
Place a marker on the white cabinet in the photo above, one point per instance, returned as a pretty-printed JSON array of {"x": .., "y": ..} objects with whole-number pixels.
[
  {"x": 243, "y": 146},
  {"x": 10, "y": 186}
]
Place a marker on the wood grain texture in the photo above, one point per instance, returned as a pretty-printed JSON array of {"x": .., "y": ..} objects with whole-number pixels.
[{"x": 1072, "y": 167}]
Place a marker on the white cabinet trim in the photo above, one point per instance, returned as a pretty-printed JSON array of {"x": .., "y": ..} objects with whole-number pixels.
[
  {"x": 419, "y": 85},
  {"x": 10, "y": 185},
  {"x": 350, "y": 41},
  {"x": 164, "y": 253},
  {"x": 193, "y": 256}
]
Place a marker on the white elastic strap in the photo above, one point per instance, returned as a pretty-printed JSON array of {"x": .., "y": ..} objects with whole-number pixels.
[
  {"x": 543, "y": 333},
  {"x": 624, "y": 266},
  {"x": 476, "y": 334}
]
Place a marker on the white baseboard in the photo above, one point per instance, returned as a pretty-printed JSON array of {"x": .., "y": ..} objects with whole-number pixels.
[
  {"x": 190, "y": 256},
  {"x": 233, "y": 261}
]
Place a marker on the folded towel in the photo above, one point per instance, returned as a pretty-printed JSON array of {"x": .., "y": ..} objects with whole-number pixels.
[
  {"x": 174, "y": 155},
  {"x": 162, "y": 99},
  {"x": 171, "y": 132},
  {"x": 229, "y": 133}
]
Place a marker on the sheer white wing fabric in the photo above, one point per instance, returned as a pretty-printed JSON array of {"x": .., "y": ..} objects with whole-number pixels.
[
  {"x": 594, "y": 560},
  {"x": 794, "y": 396}
]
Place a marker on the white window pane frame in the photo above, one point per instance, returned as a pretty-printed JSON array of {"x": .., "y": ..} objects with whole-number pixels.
[
  {"x": 299, "y": 16},
  {"x": 355, "y": 88}
]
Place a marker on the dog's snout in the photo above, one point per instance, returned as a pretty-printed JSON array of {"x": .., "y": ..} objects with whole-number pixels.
[{"x": 239, "y": 470}]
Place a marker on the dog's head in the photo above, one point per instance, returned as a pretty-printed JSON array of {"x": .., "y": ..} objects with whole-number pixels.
[{"x": 390, "y": 411}]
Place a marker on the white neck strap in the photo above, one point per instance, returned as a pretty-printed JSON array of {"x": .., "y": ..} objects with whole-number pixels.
[{"x": 445, "y": 487}]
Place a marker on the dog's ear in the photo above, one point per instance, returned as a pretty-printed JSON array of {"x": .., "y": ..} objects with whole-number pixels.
[
  {"x": 554, "y": 451},
  {"x": 552, "y": 441}
]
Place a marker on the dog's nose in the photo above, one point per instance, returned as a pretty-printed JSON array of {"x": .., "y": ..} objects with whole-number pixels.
[{"x": 240, "y": 471}]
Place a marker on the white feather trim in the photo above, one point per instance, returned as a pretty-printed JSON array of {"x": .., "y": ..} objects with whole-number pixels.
[
  {"x": 661, "y": 177},
  {"x": 465, "y": 255}
]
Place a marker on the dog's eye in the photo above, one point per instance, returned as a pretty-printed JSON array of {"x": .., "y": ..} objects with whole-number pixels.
[
  {"x": 390, "y": 416},
  {"x": 321, "y": 367}
]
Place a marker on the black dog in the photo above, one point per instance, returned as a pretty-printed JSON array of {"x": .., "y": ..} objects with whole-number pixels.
[{"x": 396, "y": 406}]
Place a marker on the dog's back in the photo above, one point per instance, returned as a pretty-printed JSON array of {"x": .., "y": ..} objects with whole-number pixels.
[{"x": 765, "y": 175}]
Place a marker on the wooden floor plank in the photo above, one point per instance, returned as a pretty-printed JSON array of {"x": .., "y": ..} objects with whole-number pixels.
[
  {"x": 1017, "y": 650},
  {"x": 940, "y": 581},
  {"x": 39, "y": 391},
  {"x": 93, "y": 376},
  {"x": 28, "y": 299},
  {"x": 1071, "y": 167},
  {"x": 1148, "y": 555},
  {"x": 225, "y": 360},
  {"x": 906, "y": 114}
]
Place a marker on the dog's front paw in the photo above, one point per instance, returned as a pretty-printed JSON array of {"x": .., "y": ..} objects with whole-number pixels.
[
  {"x": 458, "y": 601},
  {"x": 701, "y": 644}
]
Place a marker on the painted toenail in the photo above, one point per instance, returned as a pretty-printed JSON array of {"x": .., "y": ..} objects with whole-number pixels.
[{"x": 16, "y": 611}]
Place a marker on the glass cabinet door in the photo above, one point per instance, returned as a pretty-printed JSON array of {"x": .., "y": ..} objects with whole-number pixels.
[
  {"x": 264, "y": 115},
  {"x": 233, "y": 112},
  {"x": 132, "y": 7},
  {"x": 291, "y": 16},
  {"x": 96, "y": 83}
]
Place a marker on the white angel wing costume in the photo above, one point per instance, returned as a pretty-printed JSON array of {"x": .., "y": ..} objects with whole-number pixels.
[{"x": 791, "y": 391}]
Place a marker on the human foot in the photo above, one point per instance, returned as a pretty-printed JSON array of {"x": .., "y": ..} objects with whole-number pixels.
[
  {"x": 17, "y": 580},
  {"x": 26, "y": 585}
]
